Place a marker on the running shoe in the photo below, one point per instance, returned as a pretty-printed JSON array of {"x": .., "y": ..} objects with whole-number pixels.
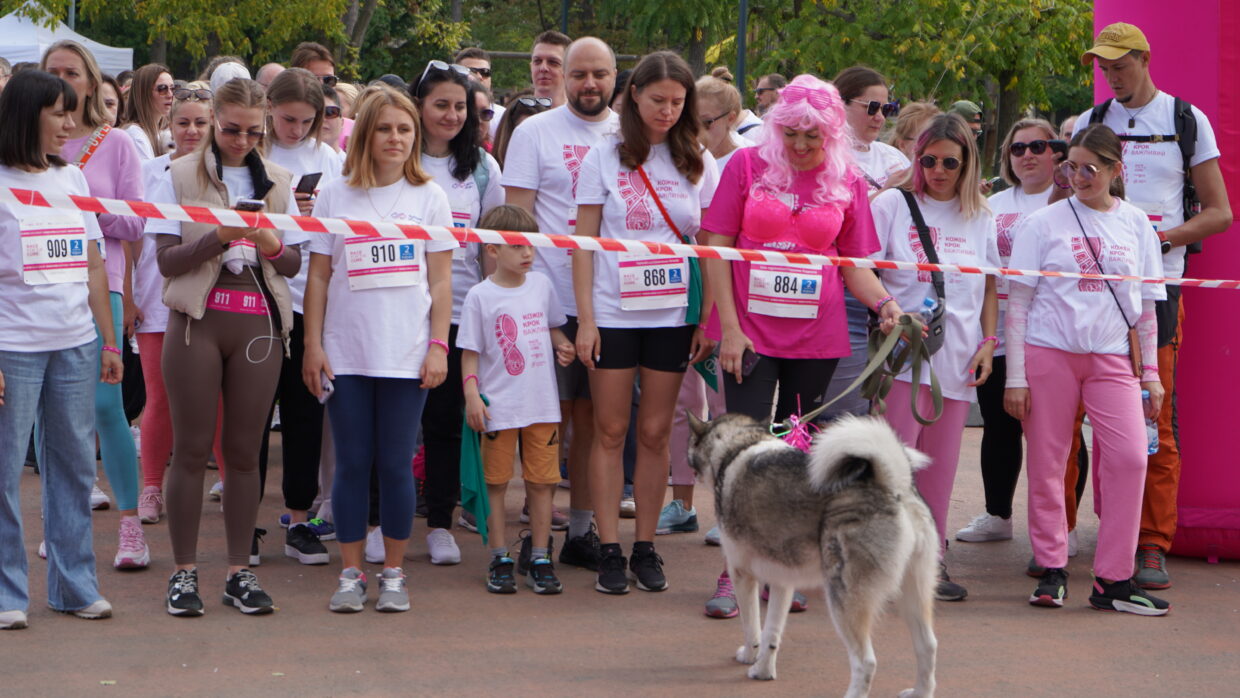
[
  {"x": 527, "y": 549},
  {"x": 301, "y": 544},
  {"x": 628, "y": 507},
  {"x": 442, "y": 547},
  {"x": 947, "y": 590},
  {"x": 150, "y": 505},
  {"x": 99, "y": 499},
  {"x": 217, "y": 491},
  {"x": 325, "y": 530},
  {"x": 798, "y": 604},
  {"x": 183, "y": 598},
  {"x": 132, "y": 552},
  {"x": 242, "y": 591},
  {"x": 1052, "y": 588},
  {"x": 723, "y": 603},
  {"x": 541, "y": 577},
  {"x": 12, "y": 620},
  {"x": 499, "y": 576},
  {"x": 43, "y": 549},
  {"x": 647, "y": 568},
  {"x": 1151, "y": 567},
  {"x": 611, "y": 575},
  {"x": 1127, "y": 597},
  {"x": 96, "y": 611},
  {"x": 675, "y": 518},
  {"x": 985, "y": 528},
  {"x": 582, "y": 551},
  {"x": 350, "y": 596},
  {"x": 712, "y": 536},
  {"x": 393, "y": 591},
  {"x": 374, "y": 552},
  {"x": 467, "y": 521}
]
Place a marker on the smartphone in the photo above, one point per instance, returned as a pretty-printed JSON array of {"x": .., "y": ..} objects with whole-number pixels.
[
  {"x": 1059, "y": 148},
  {"x": 327, "y": 387},
  {"x": 749, "y": 360},
  {"x": 249, "y": 205},
  {"x": 308, "y": 183}
]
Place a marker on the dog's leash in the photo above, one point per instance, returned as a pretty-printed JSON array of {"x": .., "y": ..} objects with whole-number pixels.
[{"x": 879, "y": 375}]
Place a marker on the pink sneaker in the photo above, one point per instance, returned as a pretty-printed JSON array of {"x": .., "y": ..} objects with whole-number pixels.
[
  {"x": 723, "y": 603},
  {"x": 150, "y": 505},
  {"x": 132, "y": 553}
]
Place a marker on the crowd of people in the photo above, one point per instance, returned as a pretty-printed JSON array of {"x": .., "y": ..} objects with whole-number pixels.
[{"x": 579, "y": 366}]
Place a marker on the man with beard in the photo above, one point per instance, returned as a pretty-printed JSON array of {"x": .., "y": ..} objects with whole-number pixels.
[{"x": 540, "y": 175}]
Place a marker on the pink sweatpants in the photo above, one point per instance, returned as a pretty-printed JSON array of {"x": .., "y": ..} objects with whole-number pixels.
[
  {"x": 156, "y": 421},
  {"x": 940, "y": 441},
  {"x": 695, "y": 396},
  {"x": 1059, "y": 381}
]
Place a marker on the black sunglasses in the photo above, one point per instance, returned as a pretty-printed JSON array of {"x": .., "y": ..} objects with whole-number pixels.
[
  {"x": 929, "y": 161},
  {"x": 481, "y": 72},
  {"x": 331, "y": 111},
  {"x": 532, "y": 102},
  {"x": 706, "y": 123},
  {"x": 485, "y": 115},
  {"x": 890, "y": 109},
  {"x": 759, "y": 90},
  {"x": 200, "y": 95},
  {"x": 1036, "y": 147},
  {"x": 163, "y": 87},
  {"x": 329, "y": 80}
]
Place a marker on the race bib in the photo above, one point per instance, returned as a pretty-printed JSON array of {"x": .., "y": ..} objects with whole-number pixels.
[
  {"x": 381, "y": 263},
  {"x": 572, "y": 220},
  {"x": 791, "y": 291},
  {"x": 460, "y": 219},
  {"x": 53, "y": 249},
  {"x": 650, "y": 282},
  {"x": 1153, "y": 211}
]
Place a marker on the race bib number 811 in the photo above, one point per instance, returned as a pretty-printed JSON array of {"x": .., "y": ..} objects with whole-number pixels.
[{"x": 381, "y": 263}]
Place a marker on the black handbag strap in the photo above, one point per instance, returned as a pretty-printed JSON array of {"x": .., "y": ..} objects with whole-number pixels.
[
  {"x": 927, "y": 244},
  {"x": 1098, "y": 263}
]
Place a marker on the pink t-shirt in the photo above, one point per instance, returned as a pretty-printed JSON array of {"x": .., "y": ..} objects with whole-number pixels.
[
  {"x": 789, "y": 223},
  {"x": 113, "y": 172}
]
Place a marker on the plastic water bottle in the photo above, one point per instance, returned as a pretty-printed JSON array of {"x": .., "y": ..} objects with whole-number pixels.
[
  {"x": 1151, "y": 427},
  {"x": 928, "y": 305}
]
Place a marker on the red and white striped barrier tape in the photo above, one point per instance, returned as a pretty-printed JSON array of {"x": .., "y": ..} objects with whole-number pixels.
[{"x": 341, "y": 226}]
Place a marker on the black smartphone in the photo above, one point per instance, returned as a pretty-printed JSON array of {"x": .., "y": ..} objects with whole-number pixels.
[
  {"x": 249, "y": 205},
  {"x": 1059, "y": 148},
  {"x": 308, "y": 183},
  {"x": 749, "y": 360}
]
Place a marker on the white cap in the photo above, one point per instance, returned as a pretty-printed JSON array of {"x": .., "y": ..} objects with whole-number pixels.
[{"x": 225, "y": 72}]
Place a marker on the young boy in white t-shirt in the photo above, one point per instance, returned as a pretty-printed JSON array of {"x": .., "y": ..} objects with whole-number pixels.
[{"x": 510, "y": 337}]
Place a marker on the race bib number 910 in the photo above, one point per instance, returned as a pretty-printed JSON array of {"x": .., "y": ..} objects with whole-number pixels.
[{"x": 381, "y": 263}]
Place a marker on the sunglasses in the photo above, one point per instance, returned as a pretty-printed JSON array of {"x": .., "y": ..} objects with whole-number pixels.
[
  {"x": 706, "y": 123},
  {"x": 485, "y": 115},
  {"x": 758, "y": 91},
  {"x": 199, "y": 95},
  {"x": 235, "y": 132},
  {"x": 1070, "y": 169},
  {"x": 1036, "y": 147},
  {"x": 928, "y": 162},
  {"x": 163, "y": 87},
  {"x": 872, "y": 107},
  {"x": 483, "y": 73},
  {"x": 329, "y": 80},
  {"x": 331, "y": 112},
  {"x": 533, "y": 102},
  {"x": 436, "y": 64}
]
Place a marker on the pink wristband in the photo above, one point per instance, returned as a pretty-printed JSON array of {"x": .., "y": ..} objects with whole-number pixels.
[
  {"x": 439, "y": 343},
  {"x": 114, "y": 350},
  {"x": 991, "y": 338},
  {"x": 1150, "y": 369},
  {"x": 277, "y": 254},
  {"x": 472, "y": 376},
  {"x": 878, "y": 308}
]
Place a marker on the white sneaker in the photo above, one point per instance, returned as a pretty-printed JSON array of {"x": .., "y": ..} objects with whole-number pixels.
[
  {"x": 217, "y": 491},
  {"x": 43, "y": 549},
  {"x": 628, "y": 508},
  {"x": 12, "y": 620},
  {"x": 374, "y": 546},
  {"x": 986, "y": 528},
  {"x": 98, "y": 499},
  {"x": 1074, "y": 544},
  {"x": 442, "y": 548},
  {"x": 132, "y": 553},
  {"x": 95, "y": 611}
]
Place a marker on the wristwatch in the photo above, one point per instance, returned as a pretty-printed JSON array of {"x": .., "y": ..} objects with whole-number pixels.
[{"x": 1163, "y": 242}]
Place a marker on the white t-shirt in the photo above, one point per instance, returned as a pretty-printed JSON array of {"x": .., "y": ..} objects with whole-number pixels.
[
  {"x": 630, "y": 212},
  {"x": 1154, "y": 172},
  {"x": 499, "y": 110},
  {"x": 140, "y": 141},
  {"x": 748, "y": 120},
  {"x": 879, "y": 163},
  {"x": 957, "y": 241},
  {"x": 148, "y": 283},
  {"x": 379, "y": 332},
  {"x": 305, "y": 158},
  {"x": 1079, "y": 315},
  {"x": 510, "y": 328},
  {"x": 467, "y": 209},
  {"x": 1011, "y": 207},
  {"x": 43, "y": 317},
  {"x": 545, "y": 155}
]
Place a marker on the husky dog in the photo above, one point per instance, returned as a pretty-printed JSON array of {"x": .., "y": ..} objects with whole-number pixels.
[{"x": 844, "y": 516}]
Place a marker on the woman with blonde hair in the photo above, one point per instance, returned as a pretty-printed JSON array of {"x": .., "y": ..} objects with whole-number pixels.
[{"x": 912, "y": 120}]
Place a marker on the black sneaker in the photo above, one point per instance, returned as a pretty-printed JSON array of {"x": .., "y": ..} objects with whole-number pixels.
[
  {"x": 541, "y": 577},
  {"x": 255, "y": 559},
  {"x": 1052, "y": 588},
  {"x": 242, "y": 590},
  {"x": 582, "y": 551},
  {"x": 303, "y": 544},
  {"x": 647, "y": 568},
  {"x": 611, "y": 576},
  {"x": 1126, "y": 596},
  {"x": 183, "y": 598},
  {"x": 947, "y": 590},
  {"x": 499, "y": 576},
  {"x": 527, "y": 547}
]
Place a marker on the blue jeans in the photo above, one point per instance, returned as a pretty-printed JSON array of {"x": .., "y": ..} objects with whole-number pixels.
[
  {"x": 57, "y": 388},
  {"x": 374, "y": 424}
]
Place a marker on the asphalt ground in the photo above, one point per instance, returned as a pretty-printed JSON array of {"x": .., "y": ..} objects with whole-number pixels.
[{"x": 459, "y": 639}]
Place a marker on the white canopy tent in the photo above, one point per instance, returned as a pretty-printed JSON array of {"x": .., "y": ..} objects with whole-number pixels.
[{"x": 23, "y": 39}]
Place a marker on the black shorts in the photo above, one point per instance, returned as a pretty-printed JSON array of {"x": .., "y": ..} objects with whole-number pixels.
[
  {"x": 655, "y": 348},
  {"x": 571, "y": 380}
]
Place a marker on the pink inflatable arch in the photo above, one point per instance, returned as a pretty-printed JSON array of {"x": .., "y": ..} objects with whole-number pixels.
[{"x": 1192, "y": 59}]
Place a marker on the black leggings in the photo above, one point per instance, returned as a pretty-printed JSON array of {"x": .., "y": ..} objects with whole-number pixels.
[
  {"x": 441, "y": 435},
  {"x": 301, "y": 428},
  {"x": 802, "y": 382}
]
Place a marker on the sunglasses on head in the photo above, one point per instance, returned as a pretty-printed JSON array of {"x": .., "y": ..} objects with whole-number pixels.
[
  {"x": 436, "y": 64},
  {"x": 929, "y": 161},
  {"x": 481, "y": 72},
  {"x": 889, "y": 109},
  {"x": 331, "y": 111},
  {"x": 532, "y": 102},
  {"x": 1036, "y": 147},
  {"x": 1070, "y": 169},
  {"x": 329, "y": 80},
  {"x": 235, "y": 132},
  {"x": 199, "y": 95},
  {"x": 485, "y": 115}
]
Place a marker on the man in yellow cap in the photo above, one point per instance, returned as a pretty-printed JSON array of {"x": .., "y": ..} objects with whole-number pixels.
[{"x": 1153, "y": 126}]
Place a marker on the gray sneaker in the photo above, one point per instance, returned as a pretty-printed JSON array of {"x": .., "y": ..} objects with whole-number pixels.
[
  {"x": 393, "y": 592},
  {"x": 350, "y": 596},
  {"x": 1151, "y": 567}
]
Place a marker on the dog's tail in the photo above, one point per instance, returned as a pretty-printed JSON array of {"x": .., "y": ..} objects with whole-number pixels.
[{"x": 857, "y": 449}]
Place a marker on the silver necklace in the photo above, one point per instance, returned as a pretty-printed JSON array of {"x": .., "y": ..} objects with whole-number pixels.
[
  {"x": 382, "y": 217},
  {"x": 1132, "y": 118}
]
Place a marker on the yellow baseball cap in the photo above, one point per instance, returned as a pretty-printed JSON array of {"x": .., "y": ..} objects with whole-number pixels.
[{"x": 1114, "y": 41}]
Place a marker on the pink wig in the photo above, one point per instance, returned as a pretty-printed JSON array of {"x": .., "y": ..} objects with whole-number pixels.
[{"x": 806, "y": 103}]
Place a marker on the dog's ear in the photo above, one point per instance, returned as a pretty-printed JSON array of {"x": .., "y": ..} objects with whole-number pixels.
[{"x": 696, "y": 425}]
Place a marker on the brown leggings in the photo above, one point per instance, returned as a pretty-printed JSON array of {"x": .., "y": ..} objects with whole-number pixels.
[{"x": 195, "y": 372}]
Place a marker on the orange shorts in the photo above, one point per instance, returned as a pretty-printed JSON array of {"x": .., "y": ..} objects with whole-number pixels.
[{"x": 540, "y": 454}]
